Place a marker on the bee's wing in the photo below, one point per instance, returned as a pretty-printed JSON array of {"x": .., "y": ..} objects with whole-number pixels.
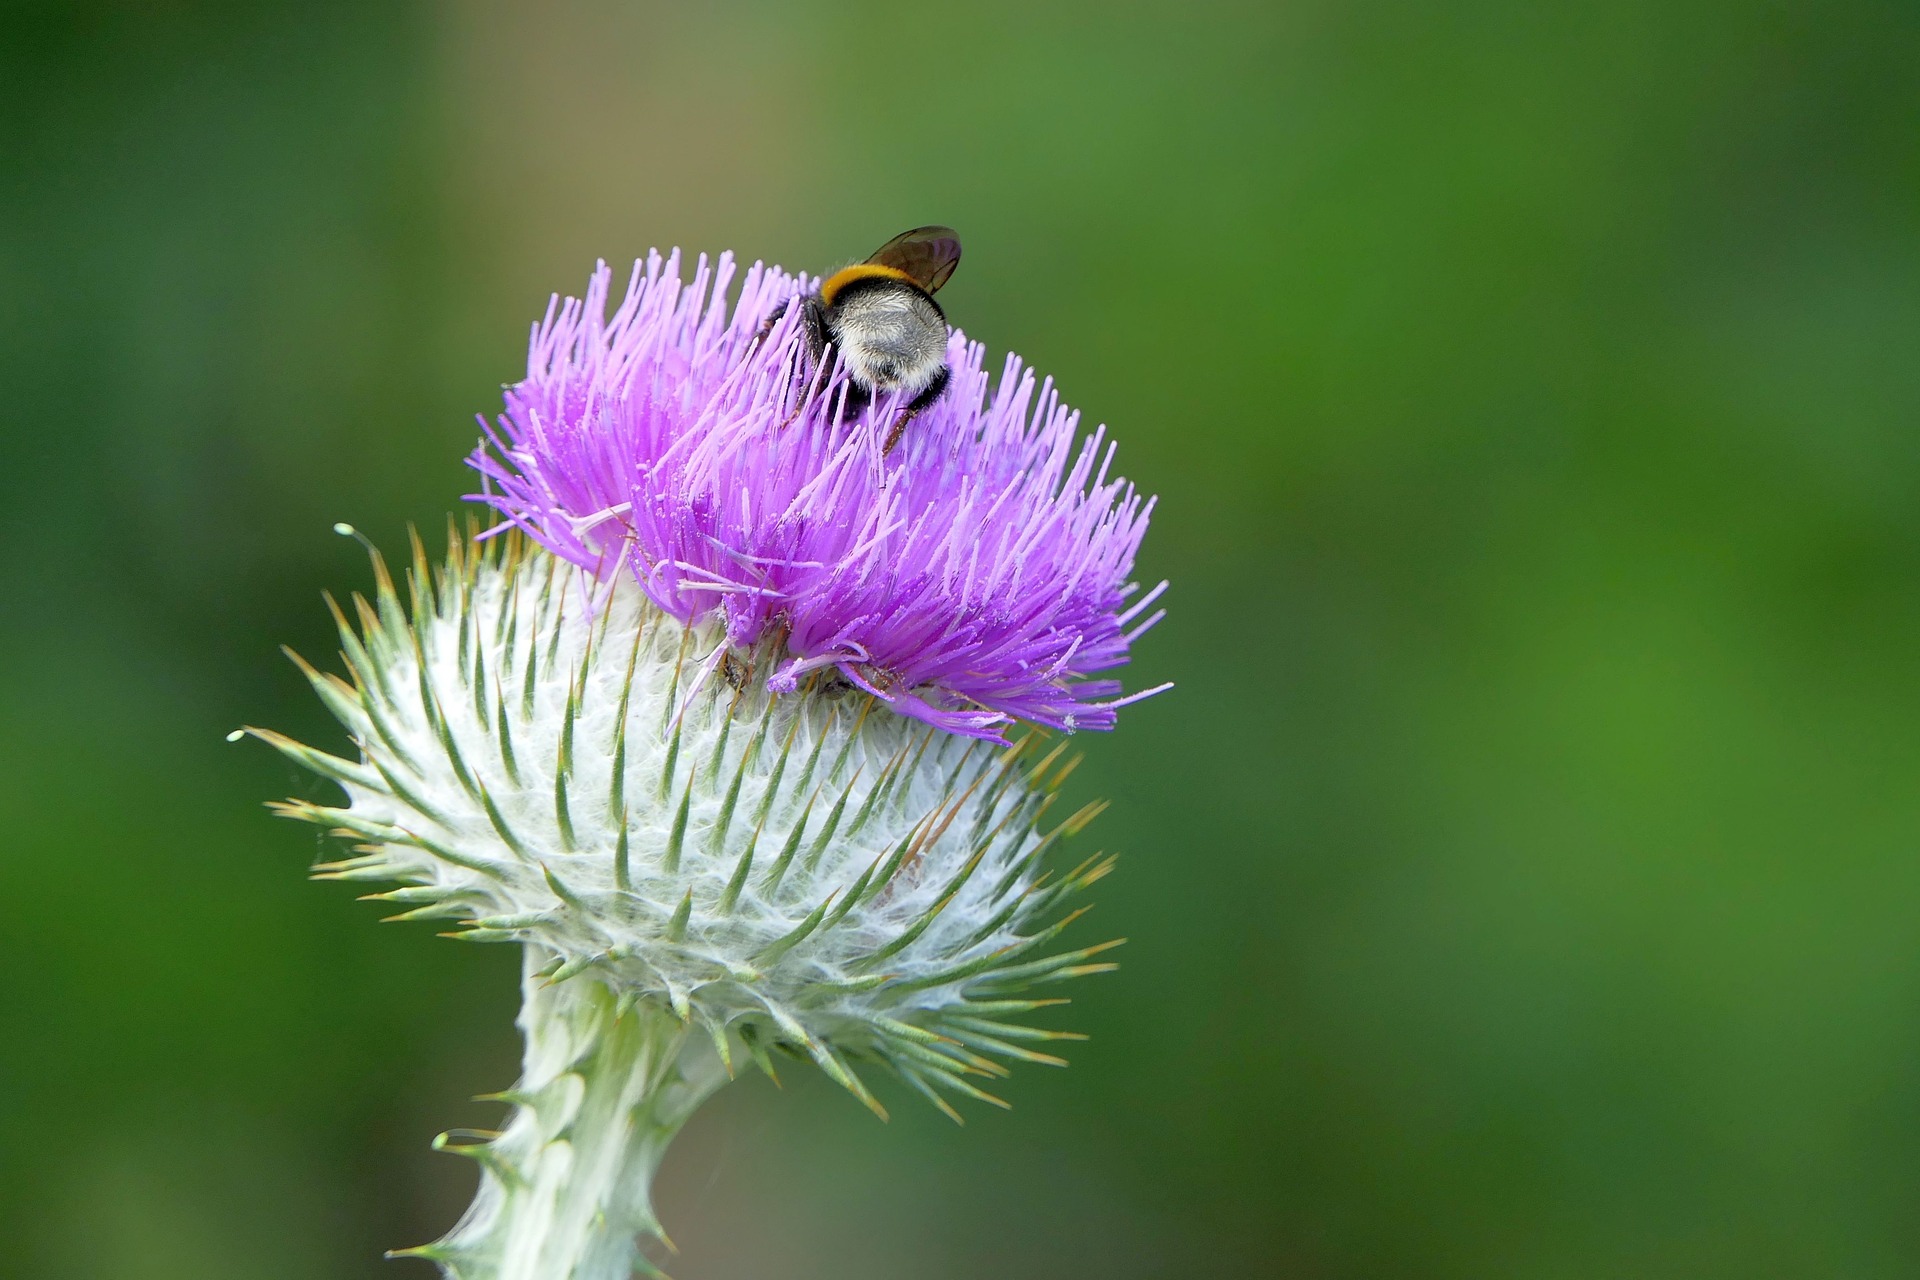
[{"x": 927, "y": 254}]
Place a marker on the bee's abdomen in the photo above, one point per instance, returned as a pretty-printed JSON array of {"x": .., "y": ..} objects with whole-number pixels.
[{"x": 891, "y": 336}]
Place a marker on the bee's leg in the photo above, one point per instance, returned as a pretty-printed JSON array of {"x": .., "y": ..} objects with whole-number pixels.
[
  {"x": 766, "y": 326},
  {"x": 813, "y": 322},
  {"x": 813, "y": 317},
  {"x": 931, "y": 392}
]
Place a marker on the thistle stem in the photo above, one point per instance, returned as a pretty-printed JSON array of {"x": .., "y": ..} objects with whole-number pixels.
[{"x": 565, "y": 1189}]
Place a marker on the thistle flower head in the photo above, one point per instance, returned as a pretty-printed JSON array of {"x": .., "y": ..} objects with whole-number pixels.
[{"x": 975, "y": 575}]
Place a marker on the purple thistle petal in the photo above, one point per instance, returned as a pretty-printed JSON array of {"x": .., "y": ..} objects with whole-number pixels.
[{"x": 974, "y": 576}]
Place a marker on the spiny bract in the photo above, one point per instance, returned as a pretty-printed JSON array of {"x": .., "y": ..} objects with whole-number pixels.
[{"x": 541, "y": 762}]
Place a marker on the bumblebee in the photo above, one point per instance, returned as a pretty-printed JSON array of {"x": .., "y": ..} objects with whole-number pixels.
[{"x": 881, "y": 317}]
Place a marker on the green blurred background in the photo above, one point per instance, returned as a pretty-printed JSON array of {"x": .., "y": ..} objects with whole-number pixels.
[{"x": 1525, "y": 877}]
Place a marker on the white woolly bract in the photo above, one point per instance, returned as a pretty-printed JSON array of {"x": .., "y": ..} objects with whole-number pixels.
[{"x": 546, "y": 758}]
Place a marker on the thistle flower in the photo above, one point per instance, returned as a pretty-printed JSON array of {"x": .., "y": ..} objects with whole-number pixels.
[
  {"x": 719, "y": 747},
  {"x": 974, "y": 576}
]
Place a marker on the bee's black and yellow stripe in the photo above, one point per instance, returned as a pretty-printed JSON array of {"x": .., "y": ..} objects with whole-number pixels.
[{"x": 840, "y": 279}]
